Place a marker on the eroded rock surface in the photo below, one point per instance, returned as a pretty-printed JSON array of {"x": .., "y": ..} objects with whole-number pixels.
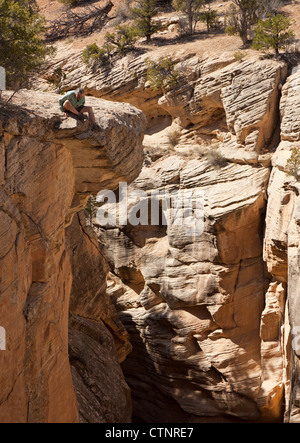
[
  {"x": 98, "y": 341},
  {"x": 281, "y": 245},
  {"x": 202, "y": 321},
  {"x": 192, "y": 303}
]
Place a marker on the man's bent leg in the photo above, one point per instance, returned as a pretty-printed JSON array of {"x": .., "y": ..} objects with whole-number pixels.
[
  {"x": 90, "y": 111},
  {"x": 70, "y": 108}
]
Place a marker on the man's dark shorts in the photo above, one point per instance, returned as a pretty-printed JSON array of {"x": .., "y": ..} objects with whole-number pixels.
[{"x": 71, "y": 113}]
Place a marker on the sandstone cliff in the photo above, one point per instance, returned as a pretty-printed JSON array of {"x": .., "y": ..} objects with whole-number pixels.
[
  {"x": 281, "y": 248},
  {"x": 48, "y": 169},
  {"x": 207, "y": 315}
]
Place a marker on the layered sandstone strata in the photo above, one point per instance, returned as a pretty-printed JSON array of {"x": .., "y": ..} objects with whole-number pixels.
[
  {"x": 48, "y": 168},
  {"x": 192, "y": 303},
  {"x": 198, "y": 309}
]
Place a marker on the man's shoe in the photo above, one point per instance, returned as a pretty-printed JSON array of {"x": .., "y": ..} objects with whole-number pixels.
[
  {"x": 96, "y": 127},
  {"x": 81, "y": 117}
]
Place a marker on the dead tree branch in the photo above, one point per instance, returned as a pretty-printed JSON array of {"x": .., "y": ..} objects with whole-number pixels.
[{"x": 78, "y": 23}]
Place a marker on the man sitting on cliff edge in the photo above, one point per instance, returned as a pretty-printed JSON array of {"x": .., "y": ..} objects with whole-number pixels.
[{"x": 73, "y": 104}]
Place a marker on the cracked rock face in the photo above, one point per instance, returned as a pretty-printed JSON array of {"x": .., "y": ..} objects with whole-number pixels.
[
  {"x": 192, "y": 303},
  {"x": 47, "y": 170},
  {"x": 98, "y": 341},
  {"x": 281, "y": 247},
  {"x": 202, "y": 315}
]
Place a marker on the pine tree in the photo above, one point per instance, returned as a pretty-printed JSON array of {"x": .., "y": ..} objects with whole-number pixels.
[
  {"x": 210, "y": 17},
  {"x": 91, "y": 208},
  {"x": 242, "y": 16},
  {"x": 22, "y": 50},
  {"x": 143, "y": 13},
  {"x": 273, "y": 33},
  {"x": 192, "y": 9},
  {"x": 123, "y": 38}
]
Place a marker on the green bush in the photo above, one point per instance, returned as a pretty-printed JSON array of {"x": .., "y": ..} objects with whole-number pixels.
[
  {"x": 162, "y": 74},
  {"x": 70, "y": 3},
  {"x": 123, "y": 39},
  {"x": 239, "y": 56},
  {"x": 96, "y": 56},
  {"x": 210, "y": 18},
  {"x": 273, "y": 33},
  {"x": 142, "y": 14},
  {"x": 117, "y": 44}
]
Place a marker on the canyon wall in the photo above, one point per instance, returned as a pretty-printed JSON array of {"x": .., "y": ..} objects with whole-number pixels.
[
  {"x": 208, "y": 314},
  {"x": 281, "y": 247},
  {"x": 49, "y": 166}
]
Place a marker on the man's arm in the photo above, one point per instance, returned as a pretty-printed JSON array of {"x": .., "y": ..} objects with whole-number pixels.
[{"x": 67, "y": 97}]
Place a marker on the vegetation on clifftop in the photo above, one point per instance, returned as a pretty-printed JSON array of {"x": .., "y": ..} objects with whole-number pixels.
[{"x": 22, "y": 48}]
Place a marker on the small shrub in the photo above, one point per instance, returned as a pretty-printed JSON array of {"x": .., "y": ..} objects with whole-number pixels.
[
  {"x": 123, "y": 39},
  {"x": 210, "y": 18},
  {"x": 162, "y": 74},
  {"x": 95, "y": 56},
  {"x": 293, "y": 164},
  {"x": 91, "y": 208},
  {"x": 239, "y": 56},
  {"x": 215, "y": 158},
  {"x": 156, "y": 152},
  {"x": 173, "y": 137},
  {"x": 70, "y": 3}
]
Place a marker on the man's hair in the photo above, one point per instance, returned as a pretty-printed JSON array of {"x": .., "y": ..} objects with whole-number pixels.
[{"x": 80, "y": 91}]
